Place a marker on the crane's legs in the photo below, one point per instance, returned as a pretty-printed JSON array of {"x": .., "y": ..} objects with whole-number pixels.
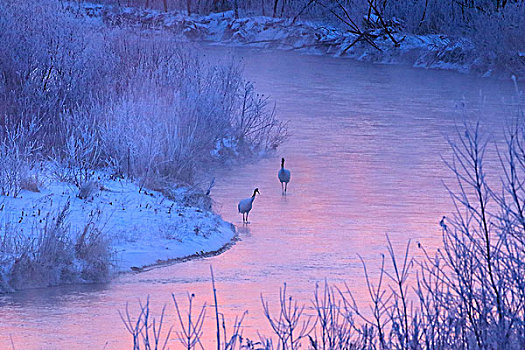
[{"x": 285, "y": 187}]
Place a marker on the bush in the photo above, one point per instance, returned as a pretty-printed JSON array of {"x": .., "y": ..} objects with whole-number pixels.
[
  {"x": 51, "y": 63},
  {"x": 167, "y": 126},
  {"x": 53, "y": 256},
  {"x": 147, "y": 107},
  {"x": 18, "y": 155}
]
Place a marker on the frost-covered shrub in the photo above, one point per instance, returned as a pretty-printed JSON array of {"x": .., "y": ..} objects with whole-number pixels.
[
  {"x": 18, "y": 154},
  {"x": 427, "y": 16},
  {"x": 255, "y": 122},
  {"x": 177, "y": 106},
  {"x": 496, "y": 32},
  {"x": 88, "y": 189},
  {"x": 191, "y": 197},
  {"x": 51, "y": 62},
  {"x": 48, "y": 260},
  {"x": 52, "y": 256},
  {"x": 52, "y": 67},
  {"x": 500, "y": 40},
  {"x": 77, "y": 158},
  {"x": 93, "y": 252}
]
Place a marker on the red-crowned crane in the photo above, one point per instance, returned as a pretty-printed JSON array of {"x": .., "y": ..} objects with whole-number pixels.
[
  {"x": 284, "y": 176},
  {"x": 245, "y": 205}
]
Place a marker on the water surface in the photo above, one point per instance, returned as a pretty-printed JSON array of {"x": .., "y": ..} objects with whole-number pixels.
[{"x": 365, "y": 154}]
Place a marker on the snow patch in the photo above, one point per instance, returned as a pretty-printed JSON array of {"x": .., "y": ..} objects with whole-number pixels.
[{"x": 144, "y": 227}]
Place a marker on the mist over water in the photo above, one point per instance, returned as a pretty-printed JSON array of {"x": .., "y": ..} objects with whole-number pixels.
[{"x": 365, "y": 152}]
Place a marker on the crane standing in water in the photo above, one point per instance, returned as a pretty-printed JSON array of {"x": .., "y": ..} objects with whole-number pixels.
[
  {"x": 284, "y": 176},
  {"x": 245, "y": 205}
]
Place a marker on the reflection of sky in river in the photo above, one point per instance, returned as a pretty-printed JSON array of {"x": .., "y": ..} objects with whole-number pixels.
[{"x": 365, "y": 159}]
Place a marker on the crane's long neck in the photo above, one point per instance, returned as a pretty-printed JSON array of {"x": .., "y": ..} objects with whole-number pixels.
[{"x": 282, "y": 164}]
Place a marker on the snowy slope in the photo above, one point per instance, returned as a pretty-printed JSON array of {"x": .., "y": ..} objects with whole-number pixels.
[{"x": 144, "y": 227}]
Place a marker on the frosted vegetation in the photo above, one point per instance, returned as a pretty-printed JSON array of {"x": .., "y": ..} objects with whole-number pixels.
[
  {"x": 91, "y": 97},
  {"x": 81, "y": 104},
  {"x": 486, "y": 33}
]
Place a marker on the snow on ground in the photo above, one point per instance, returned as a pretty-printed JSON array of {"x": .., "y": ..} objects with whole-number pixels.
[
  {"x": 144, "y": 227},
  {"x": 423, "y": 51}
]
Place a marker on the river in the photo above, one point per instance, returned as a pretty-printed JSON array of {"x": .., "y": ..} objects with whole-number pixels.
[{"x": 365, "y": 151}]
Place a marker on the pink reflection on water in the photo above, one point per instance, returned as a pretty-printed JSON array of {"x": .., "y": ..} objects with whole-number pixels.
[{"x": 365, "y": 157}]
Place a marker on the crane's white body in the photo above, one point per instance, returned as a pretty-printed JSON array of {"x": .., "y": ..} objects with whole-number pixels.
[
  {"x": 284, "y": 176},
  {"x": 245, "y": 206}
]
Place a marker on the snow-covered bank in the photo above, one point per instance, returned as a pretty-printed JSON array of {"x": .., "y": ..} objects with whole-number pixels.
[
  {"x": 423, "y": 51},
  {"x": 142, "y": 228}
]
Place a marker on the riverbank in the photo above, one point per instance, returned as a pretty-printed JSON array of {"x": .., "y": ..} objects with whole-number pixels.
[
  {"x": 54, "y": 233},
  {"x": 84, "y": 108},
  {"x": 390, "y": 44}
]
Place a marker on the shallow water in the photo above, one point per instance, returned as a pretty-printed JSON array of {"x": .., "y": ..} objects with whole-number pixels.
[{"x": 366, "y": 159}]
